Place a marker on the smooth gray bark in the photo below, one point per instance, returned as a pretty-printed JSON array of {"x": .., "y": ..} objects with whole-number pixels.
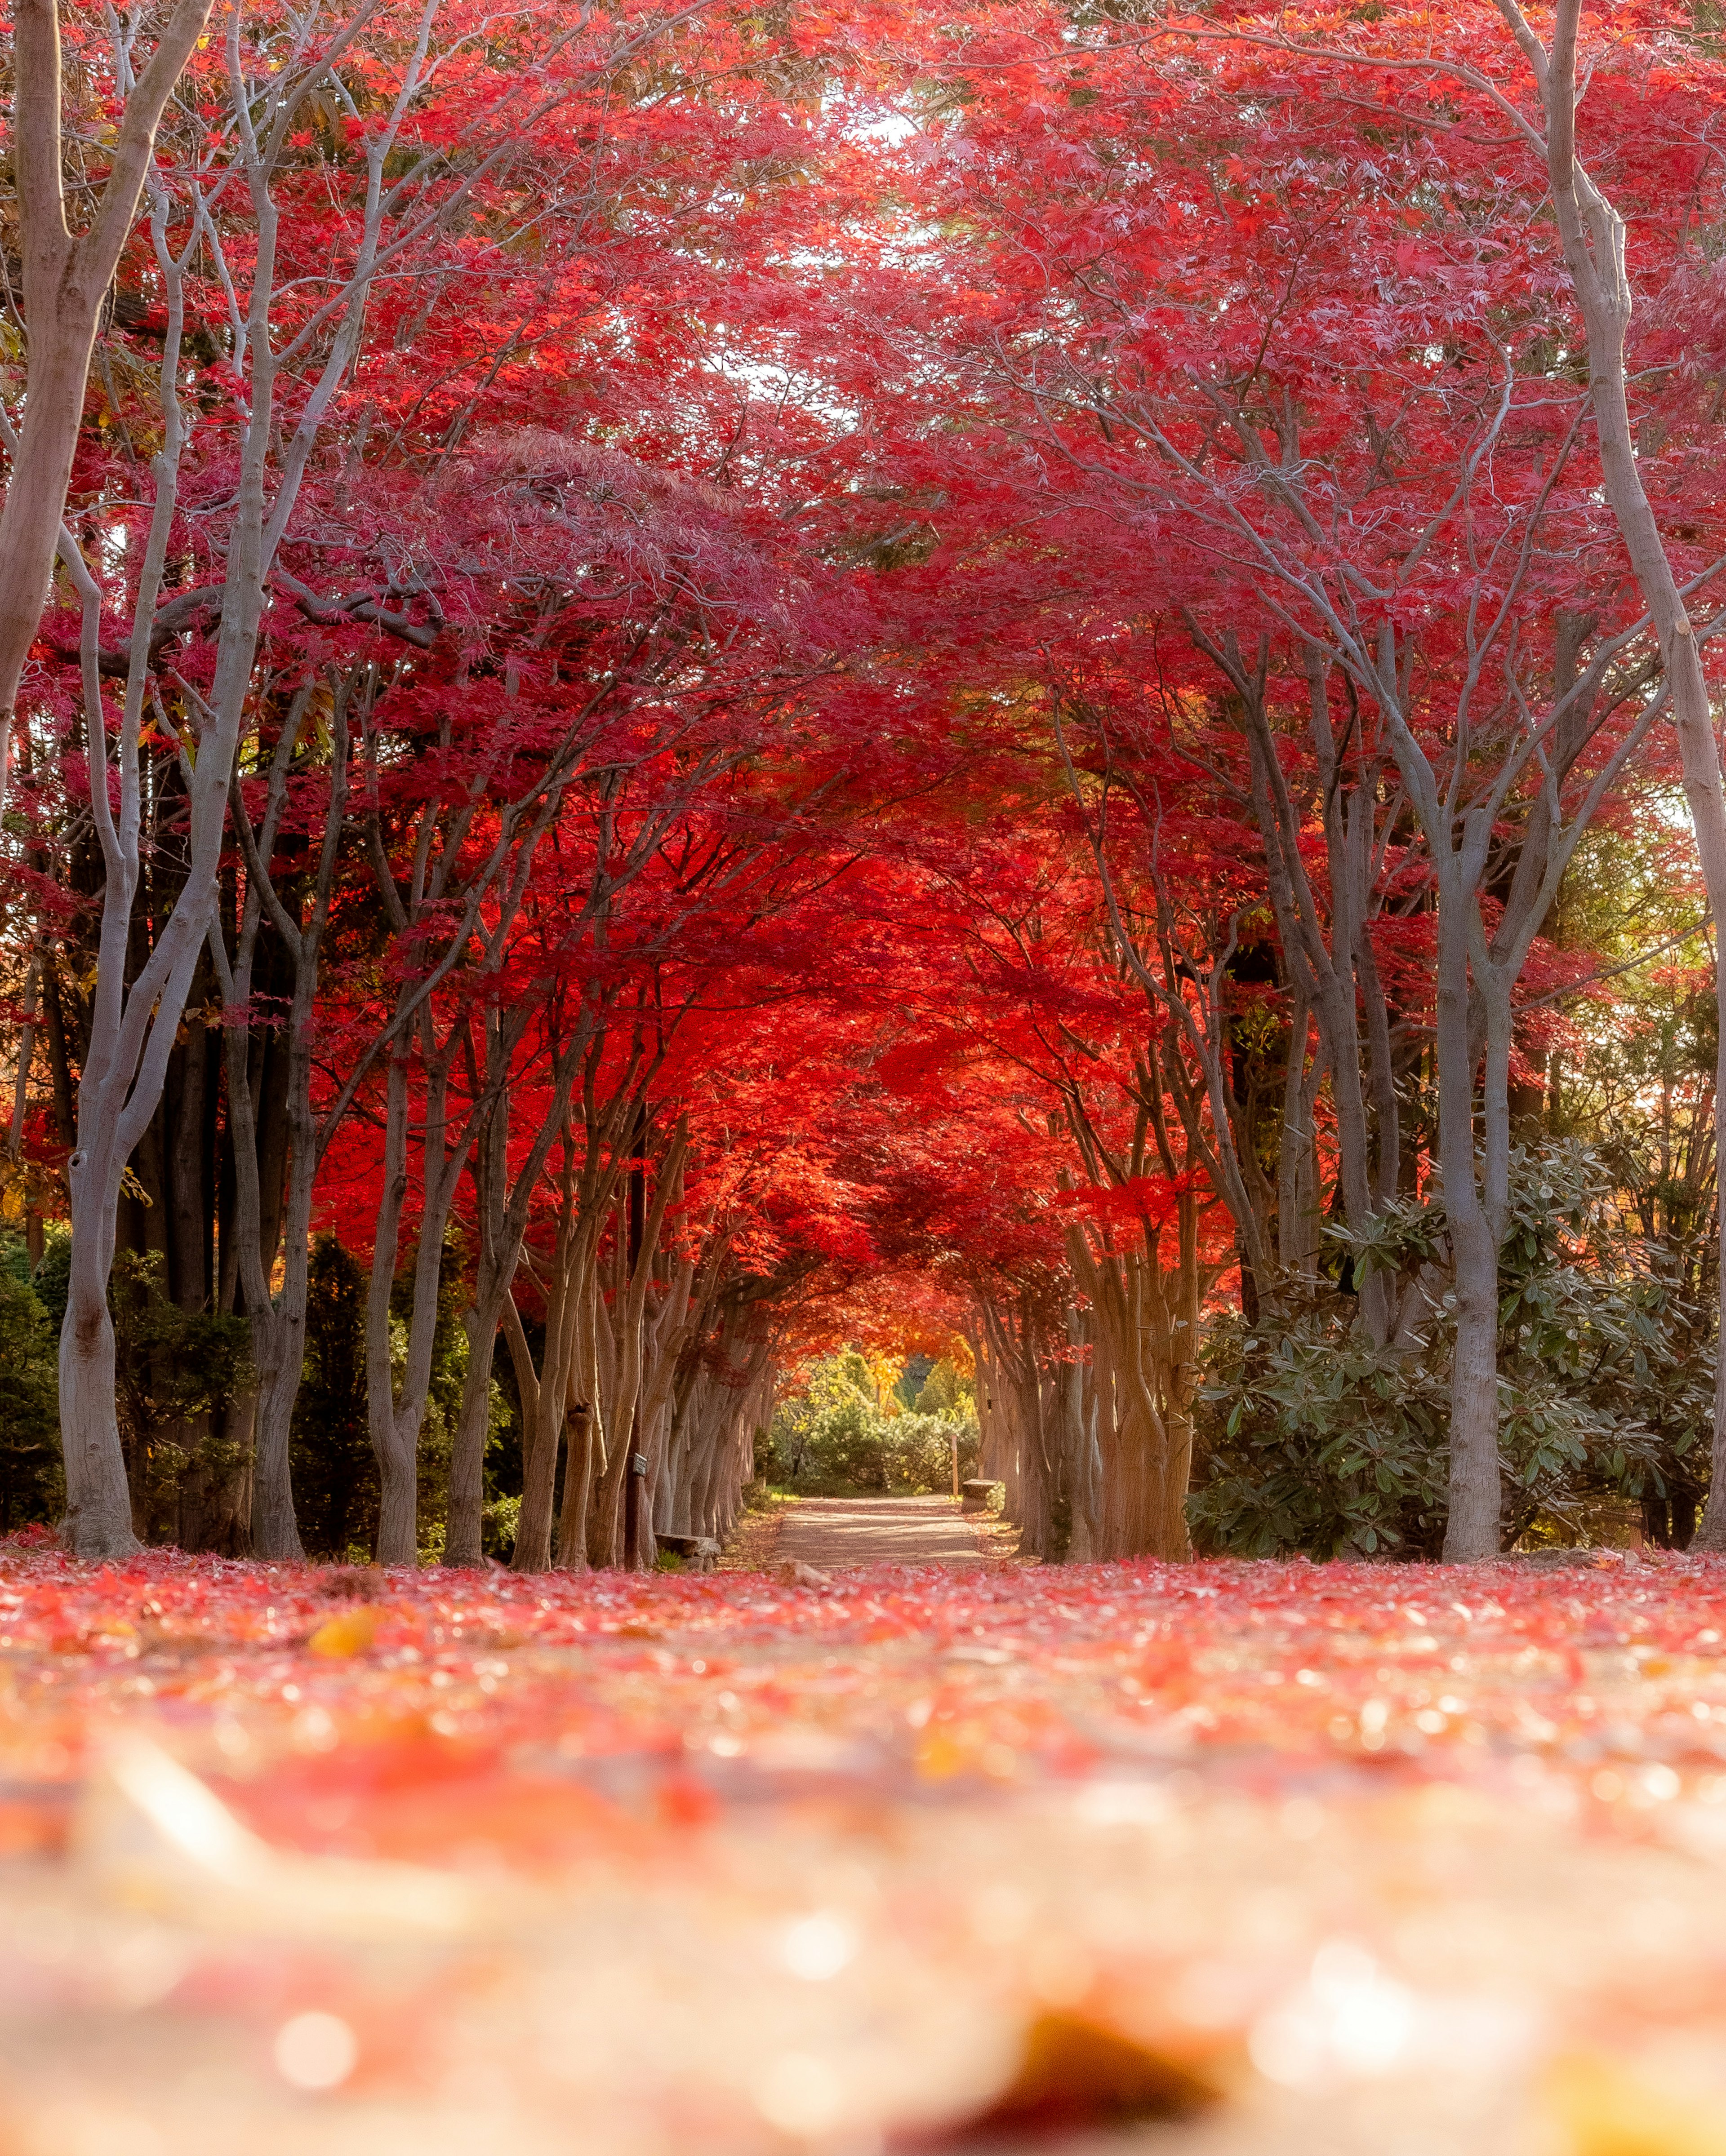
[
  {"x": 132, "y": 1028},
  {"x": 1459, "y": 795},
  {"x": 65, "y": 280},
  {"x": 1593, "y": 236},
  {"x": 277, "y": 1322}
]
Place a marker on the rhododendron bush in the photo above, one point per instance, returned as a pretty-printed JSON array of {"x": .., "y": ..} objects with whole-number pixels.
[{"x": 1277, "y": 1855}]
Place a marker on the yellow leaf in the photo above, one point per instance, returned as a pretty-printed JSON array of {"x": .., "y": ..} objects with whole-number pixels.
[
  {"x": 939, "y": 1757},
  {"x": 349, "y": 1634},
  {"x": 1608, "y": 2109}
]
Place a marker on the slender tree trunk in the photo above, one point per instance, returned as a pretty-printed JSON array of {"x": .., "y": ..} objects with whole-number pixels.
[
  {"x": 97, "y": 1521},
  {"x": 1297, "y": 1153},
  {"x": 392, "y": 1444},
  {"x": 65, "y": 281},
  {"x": 502, "y": 1208},
  {"x": 395, "y": 1446},
  {"x": 278, "y": 1328},
  {"x": 541, "y": 1438},
  {"x": 1593, "y": 235},
  {"x": 1475, "y": 1494},
  {"x": 463, "y": 1535},
  {"x": 579, "y": 1472},
  {"x": 396, "y": 1408},
  {"x": 266, "y": 1215},
  {"x": 1471, "y": 1530},
  {"x": 1191, "y": 1280}
]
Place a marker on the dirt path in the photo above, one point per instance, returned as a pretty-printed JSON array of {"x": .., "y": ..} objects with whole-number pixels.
[
  {"x": 753, "y": 1544},
  {"x": 825, "y": 1531}
]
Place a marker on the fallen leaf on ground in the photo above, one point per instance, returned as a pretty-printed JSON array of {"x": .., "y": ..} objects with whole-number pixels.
[
  {"x": 1076, "y": 2078},
  {"x": 349, "y": 1634}
]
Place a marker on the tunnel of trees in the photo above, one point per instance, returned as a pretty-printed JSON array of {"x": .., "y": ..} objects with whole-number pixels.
[{"x": 693, "y": 689}]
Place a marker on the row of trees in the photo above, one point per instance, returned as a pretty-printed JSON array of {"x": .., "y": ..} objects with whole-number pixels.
[{"x": 1013, "y": 679}]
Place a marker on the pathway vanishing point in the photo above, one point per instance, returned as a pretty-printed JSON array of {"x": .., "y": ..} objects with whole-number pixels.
[{"x": 825, "y": 1531}]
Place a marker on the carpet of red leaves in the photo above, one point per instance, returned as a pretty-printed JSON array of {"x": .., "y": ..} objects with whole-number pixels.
[{"x": 1276, "y": 1857}]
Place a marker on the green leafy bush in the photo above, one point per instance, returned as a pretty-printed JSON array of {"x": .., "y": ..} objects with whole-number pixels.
[
  {"x": 1313, "y": 1439},
  {"x": 498, "y": 1523},
  {"x": 32, "y": 1485},
  {"x": 833, "y": 1438},
  {"x": 177, "y": 1371},
  {"x": 919, "y": 1451}
]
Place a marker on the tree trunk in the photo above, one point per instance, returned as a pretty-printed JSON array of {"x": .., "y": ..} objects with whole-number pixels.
[
  {"x": 65, "y": 281},
  {"x": 502, "y": 1210},
  {"x": 463, "y": 1542},
  {"x": 395, "y": 1444},
  {"x": 397, "y": 1526},
  {"x": 279, "y": 1326},
  {"x": 396, "y": 1409},
  {"x": 98, "y": 1520},
  {"x": 1593, "y": 234},
  {"x": 1475, "y": 1492}
]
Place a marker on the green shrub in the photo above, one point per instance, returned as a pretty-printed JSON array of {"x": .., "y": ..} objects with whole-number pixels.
[
  {"x": 947, "y": 1391},
  {"x": 498, "y": 1523},
  {"x": 832, "y": 1437},
  {"x": 176, "y": 1371},
  {"x": 32, "y": 1485},
  {"x": 919, "y": 1451},
  {"x": 1311, "y": 1439}
]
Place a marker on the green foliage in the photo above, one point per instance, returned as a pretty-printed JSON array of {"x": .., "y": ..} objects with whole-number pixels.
[
  {"x": 845, "y": 1449},
  {"x": 32, "y": 1486},
  {"x": 53, "y": 1278},
  {"x": 919, "y": 1450},
  {"x": 178, "y": 1371},
  {"x": 334, "y": 1474},
  {"x": 173, "y": 1368},
  {"x": 799, "y": 1442},
  {"x": 1314, "y": 1439},
  {"x": 442, "y": 1399},
  {"x": 947, "y": 1391},
  {"x": 832, "y": 1437},
  {"x": 912, "y": 1380},
  {"x": 498, "y": 1523}
]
